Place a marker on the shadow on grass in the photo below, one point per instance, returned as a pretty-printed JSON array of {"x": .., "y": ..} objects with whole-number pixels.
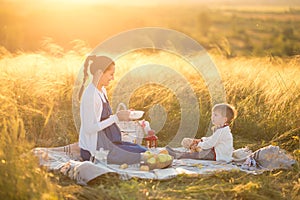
[{"x": 277, "y": 184}]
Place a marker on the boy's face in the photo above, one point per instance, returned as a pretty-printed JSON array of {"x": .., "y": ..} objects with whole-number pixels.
[{"x": 217, "y": 118}]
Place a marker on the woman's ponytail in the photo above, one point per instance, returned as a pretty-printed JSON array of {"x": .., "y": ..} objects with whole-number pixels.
[{"x": 85, "y": 74}]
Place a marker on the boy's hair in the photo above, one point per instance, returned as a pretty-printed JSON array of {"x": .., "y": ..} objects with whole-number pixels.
[{"x": 226, "y": 110}]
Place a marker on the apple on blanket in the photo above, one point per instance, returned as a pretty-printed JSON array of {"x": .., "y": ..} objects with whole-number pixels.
[{"x": 156, "y": 161}]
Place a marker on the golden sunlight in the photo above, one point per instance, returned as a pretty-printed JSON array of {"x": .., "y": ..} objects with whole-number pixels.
[{"x": 255, "y": 52}]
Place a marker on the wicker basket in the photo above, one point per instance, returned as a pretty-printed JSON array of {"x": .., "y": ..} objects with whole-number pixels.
[
  {"x": 157, "y": 165},
  {"x": 132, "y": 131}
]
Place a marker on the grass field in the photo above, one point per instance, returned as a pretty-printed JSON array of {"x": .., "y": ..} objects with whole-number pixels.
[
  {"x": 36, "y": 111},
  {"x": 257, "y": 58}
]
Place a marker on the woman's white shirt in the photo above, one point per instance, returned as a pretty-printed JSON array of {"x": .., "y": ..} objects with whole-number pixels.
[
  {"x": 91, "y": 108},
  {"x": 222, "y": 141}
]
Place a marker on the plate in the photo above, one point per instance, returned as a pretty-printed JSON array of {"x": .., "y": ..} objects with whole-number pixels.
[
  {"x": 128, "y": 130},
  {"x": 136, "y": 114}
]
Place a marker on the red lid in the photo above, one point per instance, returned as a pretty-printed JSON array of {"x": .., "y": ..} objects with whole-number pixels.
[{"x": 151, "y": 137}]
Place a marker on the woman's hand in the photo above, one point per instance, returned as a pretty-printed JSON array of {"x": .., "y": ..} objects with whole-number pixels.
[{"x": 123, "y": 115}]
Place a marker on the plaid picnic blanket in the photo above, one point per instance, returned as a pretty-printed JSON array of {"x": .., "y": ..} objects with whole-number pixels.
[{"x": 66, "y": 159}]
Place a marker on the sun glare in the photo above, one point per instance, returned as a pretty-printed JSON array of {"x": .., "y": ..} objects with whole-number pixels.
[
  {"x": 84, "y": 1},
  {"x": 110, "y": 2},
  {"x": 117, "y": 2}
]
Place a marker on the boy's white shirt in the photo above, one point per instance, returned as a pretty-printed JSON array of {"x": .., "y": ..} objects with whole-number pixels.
[
  {"x": 91, "y": 108},
  {"x": 222, "y": 142}
]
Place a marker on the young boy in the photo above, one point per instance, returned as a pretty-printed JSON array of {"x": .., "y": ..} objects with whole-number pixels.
[{"x": 219, "y": 146}]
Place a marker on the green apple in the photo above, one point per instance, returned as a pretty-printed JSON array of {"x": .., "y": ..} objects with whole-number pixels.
[
  {"x": 168, "y": 157},
  {"x": 144, "y": 168},
  {"x": 148, "y": 152},
  {"x": 163, "y": 157},
  {"x": 124, "y": 166},
  {"x": 146, "y": 155},
  {"x": 151, "y": 160}
]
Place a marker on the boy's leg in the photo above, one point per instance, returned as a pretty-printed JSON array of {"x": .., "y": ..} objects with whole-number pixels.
[
  {"x": 202, "y": 155},
  {"x": 179, "y": 154}
]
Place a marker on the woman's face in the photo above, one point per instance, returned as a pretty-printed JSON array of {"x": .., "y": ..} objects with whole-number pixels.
[{"x": 107, "y": 76}]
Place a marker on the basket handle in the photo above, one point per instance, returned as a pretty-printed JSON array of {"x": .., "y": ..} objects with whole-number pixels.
[{"x": 121, "y": 105}]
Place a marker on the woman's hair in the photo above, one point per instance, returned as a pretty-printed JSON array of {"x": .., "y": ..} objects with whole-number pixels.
[
  {"x": 102, "y": 63},
  {"x": 227, "y": 111}
]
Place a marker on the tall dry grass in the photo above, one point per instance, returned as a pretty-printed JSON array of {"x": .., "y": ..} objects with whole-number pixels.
[
  {"x": 265, "y": 91},
  {"x": 21, "y": 176},
  {"x": 36, "y": 106},
  {"x": 35, "y": 110},
  {"x": 37, "y": 89}
]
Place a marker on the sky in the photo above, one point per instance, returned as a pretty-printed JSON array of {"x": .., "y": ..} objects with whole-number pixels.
[
  {"x": 159, "y": 2},
  {"x": 25, "y": 23}
]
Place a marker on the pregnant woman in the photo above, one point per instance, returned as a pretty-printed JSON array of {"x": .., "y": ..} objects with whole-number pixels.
[{"x": 98, "y": 124}]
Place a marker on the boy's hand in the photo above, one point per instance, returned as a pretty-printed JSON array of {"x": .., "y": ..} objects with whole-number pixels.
[
  {"x": 194, "y": 146},
  {"x": 197, "y": 141}
]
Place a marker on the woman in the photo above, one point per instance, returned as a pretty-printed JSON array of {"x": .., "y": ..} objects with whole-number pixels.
[{"x": 98, "y": 124}]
